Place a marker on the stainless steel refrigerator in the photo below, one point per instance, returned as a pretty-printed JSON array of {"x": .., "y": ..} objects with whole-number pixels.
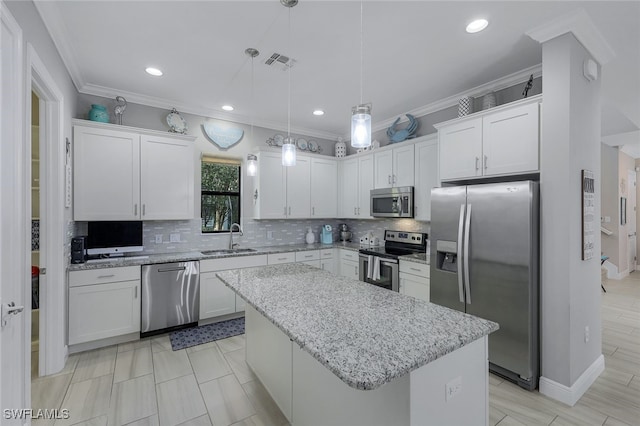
[{"x": 485, "y": 262}]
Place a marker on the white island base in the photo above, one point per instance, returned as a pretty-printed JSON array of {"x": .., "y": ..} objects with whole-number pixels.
[{"x": 452, "y": 390}]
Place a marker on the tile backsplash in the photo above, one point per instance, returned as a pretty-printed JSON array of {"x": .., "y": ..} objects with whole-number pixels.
[{"x": 284, "y": 232}]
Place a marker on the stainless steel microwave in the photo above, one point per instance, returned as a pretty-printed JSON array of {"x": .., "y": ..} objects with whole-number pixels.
[{"x": 392, "y": 202}]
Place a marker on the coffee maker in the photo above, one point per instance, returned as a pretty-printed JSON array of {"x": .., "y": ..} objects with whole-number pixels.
[
  {"x": 345, "y": 234},
  {"x": 326, "y": 237}
]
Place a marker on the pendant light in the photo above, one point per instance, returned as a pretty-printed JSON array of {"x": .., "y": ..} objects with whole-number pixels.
[
  {"x": 361, "y": 114},
  {"x": 252, "y": 163},
  {"x": 289, "y": 145}
]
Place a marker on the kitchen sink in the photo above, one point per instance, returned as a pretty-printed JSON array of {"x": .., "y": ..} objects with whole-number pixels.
[{"x": 227, "y": 251}]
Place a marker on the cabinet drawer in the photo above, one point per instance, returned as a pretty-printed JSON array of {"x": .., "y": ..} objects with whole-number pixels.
[
  {"x": 414, "y": 268},
  {"x": 349, "y": 255},
  {"x": 304, "y": 256},
  {"x": 103, "y": 275},
  {"x": 223, "y": 264},
  {"x": 326, "y": 253},
  {"x": 277, "y": 258}
]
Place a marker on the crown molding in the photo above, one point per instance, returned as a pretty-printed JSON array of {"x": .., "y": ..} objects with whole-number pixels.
[
  {"x": 152, "y": 101},
  {"x": 492, "y": 86},
  {"x": 52, "y": 19},
  {"x": 582, "y": 27}
]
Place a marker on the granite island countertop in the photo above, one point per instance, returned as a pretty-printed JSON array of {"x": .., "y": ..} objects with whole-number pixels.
[{"x": 364, "y": 334}]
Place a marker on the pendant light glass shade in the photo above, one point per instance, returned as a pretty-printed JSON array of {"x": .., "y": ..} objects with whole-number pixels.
[
  {"x": 289, "y": 152},
  {"x": 252, "y": 165},
  {"x": 361, "y": 126}
]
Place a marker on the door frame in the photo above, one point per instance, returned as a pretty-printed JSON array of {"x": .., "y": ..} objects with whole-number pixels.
[
  {"x": 15, "y": 388},
  {"x": 53, "y": 154},
  {"x": 632, "y": 221}
]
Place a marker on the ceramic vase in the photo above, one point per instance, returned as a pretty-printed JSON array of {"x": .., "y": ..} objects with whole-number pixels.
[
  {"x": 489, "y": 100},
  {"x": 341, "y": 148},
  {"x": 99, "y": 113},
  {"x": 465, "y": 106}
]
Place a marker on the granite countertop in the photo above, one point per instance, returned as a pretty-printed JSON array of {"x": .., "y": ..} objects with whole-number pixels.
[
  {"x": 196, "y": 255},
  {"x": 418, "y": 258},
  {"x": 366, "y": 335}
]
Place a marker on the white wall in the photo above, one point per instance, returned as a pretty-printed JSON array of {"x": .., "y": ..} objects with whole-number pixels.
[
  {"x": 570, "y": 142},
  {"x": 610, "y": 202}
]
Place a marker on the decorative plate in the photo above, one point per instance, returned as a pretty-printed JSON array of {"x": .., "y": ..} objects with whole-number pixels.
[
  {"x": 313, "y": 146},
  {"x": 223, "y": 137},
  {"x": 302, "y": 144},
  {"x": 279, "y": 139},
  {"x": 176, "y": 123}
]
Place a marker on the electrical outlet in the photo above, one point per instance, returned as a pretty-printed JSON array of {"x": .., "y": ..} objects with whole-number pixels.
[
  {"x": 607, "y": 219},
  {"x": 174, "y": 238},
  {"x": 159, "y": 239},
  {"x": 587, "y": 334},
  {"x": 453, "y": 388},
  {"x": 269, "y": 235}
]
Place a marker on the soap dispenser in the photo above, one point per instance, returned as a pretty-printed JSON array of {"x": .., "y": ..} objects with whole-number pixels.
[{"x": 310, "y": 237}]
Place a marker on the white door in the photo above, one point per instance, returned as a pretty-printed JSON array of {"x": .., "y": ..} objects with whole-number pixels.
[
  {"x": 383, "y": 169},
  {"x": 215, "y": 297},
  {"x": 349, "y": 188},
  {"x": 403, "y": 159},
  {"x": 426, "y": 177},
  {"x": 14, "y": 276},
  {"x": 324, "y": 188},
  {"x": 166, "y": 178},
  {"x": 299, "y": 189},
  {"x": 631, "y": 221},
  {"x": 270, "y": 193},
  {"x": 460, "y": 146},
  {"x": 365, "y": 185}
]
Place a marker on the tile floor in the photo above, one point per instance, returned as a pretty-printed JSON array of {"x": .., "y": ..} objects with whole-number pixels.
[{"x": 145, "y": 383}]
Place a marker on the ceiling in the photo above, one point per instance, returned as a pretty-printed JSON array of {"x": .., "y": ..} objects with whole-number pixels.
[{"x": 416, "y": 53}]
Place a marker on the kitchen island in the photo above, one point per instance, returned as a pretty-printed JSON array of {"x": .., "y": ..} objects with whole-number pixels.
[{"x": 332, "y": 350}]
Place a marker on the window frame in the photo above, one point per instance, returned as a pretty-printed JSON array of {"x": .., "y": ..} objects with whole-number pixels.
[{"x": 203, "y": 192}]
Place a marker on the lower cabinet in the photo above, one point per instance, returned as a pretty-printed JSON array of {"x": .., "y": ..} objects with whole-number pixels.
[
  {"x": 349, "y": 264},
  {"x": 216, "y": 299},
  {"x": 103, "y": 303},
  {"x": 414, "y": 280},
  {"x": 327, "y": 262}
]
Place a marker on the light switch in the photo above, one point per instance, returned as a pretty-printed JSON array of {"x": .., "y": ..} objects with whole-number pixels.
[
  {"x": 174, "y": 238},
  {"x": 159, "y": 239}
]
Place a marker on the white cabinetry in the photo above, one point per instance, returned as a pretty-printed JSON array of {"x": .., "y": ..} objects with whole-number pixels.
[
  {"x": 327, "y": 262},
  {"x": 426, "y": 177},
  {"x": 103, "y": 303},
  {"x": 309, "y": 257},
  {"x": 502, "y": 141},
  {"x": 349, "y": 264},
  {"x": 356, "y": 182},
  {"x": 394, "y": 167},
  {"x": 280, "y": 258},
  {"x": 414, "y": 279},
  {"x": 324, "y": 188},
  {"x": 124, "y": 173},
  {"x": 216, "y": 298},
  {"x": 270, "y": 187},
  {"x": 298, "y": 189}
]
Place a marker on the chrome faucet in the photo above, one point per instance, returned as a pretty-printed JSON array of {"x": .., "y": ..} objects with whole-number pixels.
[{"x": 231, "y": 244}]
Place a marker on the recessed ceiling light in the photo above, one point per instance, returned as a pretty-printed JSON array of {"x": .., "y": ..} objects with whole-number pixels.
[
  {"x": 477, "y": 26},
  {"x": 227, "y": 107},
  {"x": 318, "y": 112},
  {"x": 153, "y": 71}
]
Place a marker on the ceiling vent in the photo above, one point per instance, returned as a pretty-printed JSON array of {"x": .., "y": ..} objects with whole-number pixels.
[{"x": 280, "y": 62}]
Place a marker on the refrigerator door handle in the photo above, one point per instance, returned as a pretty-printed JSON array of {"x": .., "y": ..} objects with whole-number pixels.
[
  {"x": 467, "y": 231},
  {"x": 459, "y": 254}
]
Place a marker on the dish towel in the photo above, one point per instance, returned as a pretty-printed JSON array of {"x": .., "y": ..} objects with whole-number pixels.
[
  {"x": 376, "y": 269},
  {"x": 369, "y": 267}
]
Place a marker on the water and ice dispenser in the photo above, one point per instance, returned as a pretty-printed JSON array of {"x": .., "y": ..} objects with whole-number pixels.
[{"x": 447, "y": 256}]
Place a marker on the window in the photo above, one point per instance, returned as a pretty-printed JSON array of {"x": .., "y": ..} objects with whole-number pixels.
[{"x": 220, "y": 194}]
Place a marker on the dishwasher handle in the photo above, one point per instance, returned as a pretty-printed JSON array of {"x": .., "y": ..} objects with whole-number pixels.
[{"x": 180, "y": 268}]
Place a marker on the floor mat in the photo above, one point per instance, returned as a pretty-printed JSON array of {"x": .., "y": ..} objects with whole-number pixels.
[{"x": 206, "y": 333}]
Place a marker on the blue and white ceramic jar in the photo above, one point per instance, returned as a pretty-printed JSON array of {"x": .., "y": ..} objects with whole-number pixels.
[{"x": 99, "y": 113}]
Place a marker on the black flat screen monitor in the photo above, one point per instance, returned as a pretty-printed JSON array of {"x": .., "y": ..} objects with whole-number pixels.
[{"x": 114, "y": 237}]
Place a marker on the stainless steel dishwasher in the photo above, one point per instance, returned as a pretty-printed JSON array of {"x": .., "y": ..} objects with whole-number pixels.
[{"x": 170, "y": 296}]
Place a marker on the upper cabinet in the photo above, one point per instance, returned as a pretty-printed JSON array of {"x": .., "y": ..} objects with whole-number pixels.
[
  {"x": 426, "y": 177},
  {"x": 123, "y": 173},
  {"x": 306, "y": 190},
  {"x": 394, "y": 167},
  {"x": 501, "y": 141},
  {"x": 356, "y": 183}
]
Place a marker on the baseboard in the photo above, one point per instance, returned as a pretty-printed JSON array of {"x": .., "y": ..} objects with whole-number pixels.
[
  {"x": 571, "y": 395},
  {"x": 612, "y": 271}
]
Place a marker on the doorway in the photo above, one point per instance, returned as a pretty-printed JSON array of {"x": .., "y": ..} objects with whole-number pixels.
[
  {"x": 631, "y": 221},
  {"x": 36, "y": 237}
]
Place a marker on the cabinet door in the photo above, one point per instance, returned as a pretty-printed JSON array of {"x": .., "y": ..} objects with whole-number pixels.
[
  {"x": 383, "y": 169},
  {"x": 324, "y": 188},
  {"x": 271, "y": 201},
  {"x": 365, "y": 185},
  {"x": 403, "y": 159},
  {"x": 426, "y": 178},
  {"x": 299, "y": 189},
  {"x": 103, "y": 310},
  {"x": 241, "y": 305},
  {"x": 166, "y": 178},
  {"x": 349, "y": 269},
  {"x": 510, "y": 141},
  {"x": 460, "y": 146},
  {"x": 414, "y": 286},
  {"x": 215, "y": 297},
  {"x": 106, "y": 179},
  {"x": 349, "y": 189},
  {"x": 314, "y": 263},
  {"x": 328, "y": 265}
]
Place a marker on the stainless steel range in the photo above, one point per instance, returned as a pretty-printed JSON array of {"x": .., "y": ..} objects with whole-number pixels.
[{"x": 379, "y": 265}]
